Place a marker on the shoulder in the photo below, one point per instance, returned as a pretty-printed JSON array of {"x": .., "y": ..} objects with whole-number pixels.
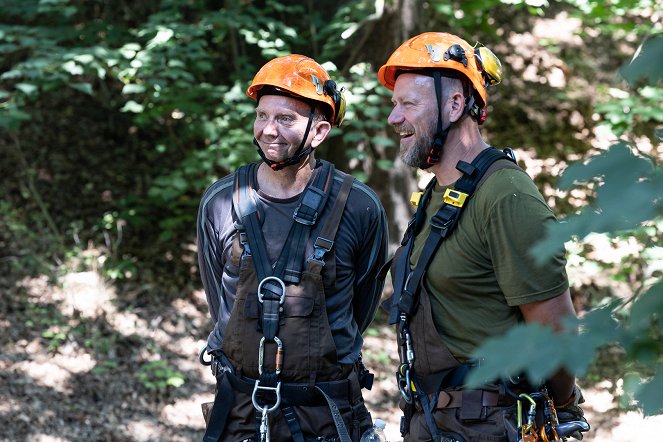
[
  {"x": 219, "y": 191},
  {"x": 506, "y": 181},
  {"x": 361, "y": 193}
]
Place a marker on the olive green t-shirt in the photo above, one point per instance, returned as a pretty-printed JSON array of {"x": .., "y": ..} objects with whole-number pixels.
[{"x": 483, "y": 271}]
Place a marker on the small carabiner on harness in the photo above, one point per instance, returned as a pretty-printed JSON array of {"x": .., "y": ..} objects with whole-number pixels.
[
  {"x": 279, "y": 355},
  {"x": 405, "y": 385},
  {"x": 201, "y": 357}
]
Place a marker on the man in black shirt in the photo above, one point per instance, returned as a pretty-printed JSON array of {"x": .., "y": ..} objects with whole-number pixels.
[{"x": 288, "y": 252}]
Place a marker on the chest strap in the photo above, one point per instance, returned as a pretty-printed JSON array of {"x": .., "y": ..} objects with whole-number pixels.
[
  {"x": 443, "y": 222},
  {"x": 311, "y": 204}
]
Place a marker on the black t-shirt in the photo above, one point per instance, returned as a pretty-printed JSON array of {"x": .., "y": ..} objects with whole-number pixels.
[{"x": 351, "y": 289}]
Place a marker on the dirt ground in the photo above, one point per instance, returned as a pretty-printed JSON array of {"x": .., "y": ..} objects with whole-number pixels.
[{"x": 78, "y": 365}]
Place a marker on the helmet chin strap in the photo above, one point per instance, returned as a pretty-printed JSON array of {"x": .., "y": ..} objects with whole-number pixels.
[
  {"x": 441, "y": 135},
  {"x": 299, "y": 154}
]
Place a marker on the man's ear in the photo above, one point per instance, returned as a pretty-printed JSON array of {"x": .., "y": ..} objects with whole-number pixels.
[
  {"x": 320, "y": 130},
  {"x": 457, "y": 107}
]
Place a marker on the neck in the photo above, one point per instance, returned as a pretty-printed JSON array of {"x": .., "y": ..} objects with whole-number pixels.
[
  {"x": 287, "y": 182},
  {"x": 463, "y": 143}
]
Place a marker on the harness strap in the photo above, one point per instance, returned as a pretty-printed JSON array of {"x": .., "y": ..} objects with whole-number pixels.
[
  {"x": 246, "y": 208},
  {"x": 444, "y": 221},
  {"x": 293, "y": 424},
  {"x": 311, "y": 204},
  {"x": 300, "y": 394},
  {"x": 325, "y": 240},
  {"x": 223, "y": 401}
]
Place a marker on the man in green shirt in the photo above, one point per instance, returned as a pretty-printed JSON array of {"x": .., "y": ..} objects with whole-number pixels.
[{"x": 459, "y": 280}]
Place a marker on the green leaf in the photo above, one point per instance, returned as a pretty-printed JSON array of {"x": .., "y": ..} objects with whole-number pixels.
[
  {"x": 383, "y": 141},
  {"x": 643, "y": 66},
  {"x": 83, "y": 87},
  {"x": 132, "y": 106},
  {"x": 26, "y": 88},
  {"x": 647, "y": 308},
  {"x": 133, "y": 89},
  {"x": 649, "y": 394}
]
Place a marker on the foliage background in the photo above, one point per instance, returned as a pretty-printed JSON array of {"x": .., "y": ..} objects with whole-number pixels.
[{"x": 115, "y": 116}]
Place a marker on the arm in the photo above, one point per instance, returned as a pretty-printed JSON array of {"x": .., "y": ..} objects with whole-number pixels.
[
  {"x": 550, "y": 312},
  {"x": 367, "y": 289},
  {"x": 213, "y": 227}
]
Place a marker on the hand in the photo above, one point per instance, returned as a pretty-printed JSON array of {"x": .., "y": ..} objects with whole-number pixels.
[{"x": 570, "y": 411}]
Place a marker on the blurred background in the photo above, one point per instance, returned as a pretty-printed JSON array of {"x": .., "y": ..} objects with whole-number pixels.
[{"x": 115, "y": 116}]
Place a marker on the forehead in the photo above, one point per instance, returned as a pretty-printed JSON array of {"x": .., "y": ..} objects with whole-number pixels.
[
  {"x": 280, "y": 103},
  {"x": 413, "y": 85}
]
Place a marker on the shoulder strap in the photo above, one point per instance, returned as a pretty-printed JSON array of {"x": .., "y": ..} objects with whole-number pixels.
[
  {"x": 311, "y": 204},
  {"x": 325, "y": 240},
  {"x": 250, "y": 227},
  {"x": 444, "y": 222}
]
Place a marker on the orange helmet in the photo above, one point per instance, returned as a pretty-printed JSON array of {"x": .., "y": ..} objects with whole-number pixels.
[
  {"x": 301, "y": 76},
  {"x": 440, "y": 50}
]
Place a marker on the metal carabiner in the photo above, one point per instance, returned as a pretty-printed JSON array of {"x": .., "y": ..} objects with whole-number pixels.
[
  {"x": 277, "y": 392},
  {"x": 279, "y": 281},
  {"x": 201, "y": 357},
  {"x": 279, "y": 355},
  {"x": 403, "y": 381}
]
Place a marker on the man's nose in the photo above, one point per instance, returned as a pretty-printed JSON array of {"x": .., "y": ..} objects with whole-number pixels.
[
  {"x": 270, "y": 128},
  {"x": 395, "y": 117}
]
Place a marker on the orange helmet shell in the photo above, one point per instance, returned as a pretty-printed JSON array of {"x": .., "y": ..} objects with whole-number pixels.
[
  {"x": 429, "y": 51},
  {"x": 298, "y": 75}
]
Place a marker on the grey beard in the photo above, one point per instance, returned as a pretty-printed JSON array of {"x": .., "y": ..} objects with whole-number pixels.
[{"x": 417, "y": 155}]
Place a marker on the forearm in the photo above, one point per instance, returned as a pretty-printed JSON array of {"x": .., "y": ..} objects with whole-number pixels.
[
  {"x": 550, "y": 312},
  {"x": 560, "y": 387}
]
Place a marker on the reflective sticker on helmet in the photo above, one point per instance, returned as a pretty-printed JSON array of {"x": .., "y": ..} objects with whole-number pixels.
[
  {"x": 435, "y": 53},
  {"x": 317, "y": 83}
]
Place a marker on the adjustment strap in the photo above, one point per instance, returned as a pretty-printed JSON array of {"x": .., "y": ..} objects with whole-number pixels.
[
  {"x": 293, "y": 424},
  {"x": 246, "y": 208},
  {"x": 341, "y": 429},
  {"x": 325, "y": 240},
  {"x": 312, "y": 203}
]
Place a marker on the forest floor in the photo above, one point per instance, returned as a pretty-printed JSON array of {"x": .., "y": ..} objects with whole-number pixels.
[{"x": 73, "y": 368}]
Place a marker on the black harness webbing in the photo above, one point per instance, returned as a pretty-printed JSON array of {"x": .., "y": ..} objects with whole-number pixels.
[
  {"x": 406, "y": 284},
  {"x": 311, "y": 203},
  {"x": 290, "y": 263}
]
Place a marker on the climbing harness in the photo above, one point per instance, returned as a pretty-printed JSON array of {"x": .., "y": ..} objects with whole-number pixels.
[
  {"x": 423, "y": 388},
  {"x": 275, "y": 281}
]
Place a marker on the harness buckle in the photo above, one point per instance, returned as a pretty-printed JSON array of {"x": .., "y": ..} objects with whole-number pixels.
[
  {"x": 278, "y": 360},
  {"x": 440, "y": 223},
  {"x": 304, "y": 221},
  {"x": 279, "y": 281},
  {"x": 321, "y": 247},
  {"x": 265, "y": 409}
]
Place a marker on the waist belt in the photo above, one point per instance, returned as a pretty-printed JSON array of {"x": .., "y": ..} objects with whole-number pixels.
[
  {"x": 456, "y": 399},
  {"x": 305, "y": 394}
]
